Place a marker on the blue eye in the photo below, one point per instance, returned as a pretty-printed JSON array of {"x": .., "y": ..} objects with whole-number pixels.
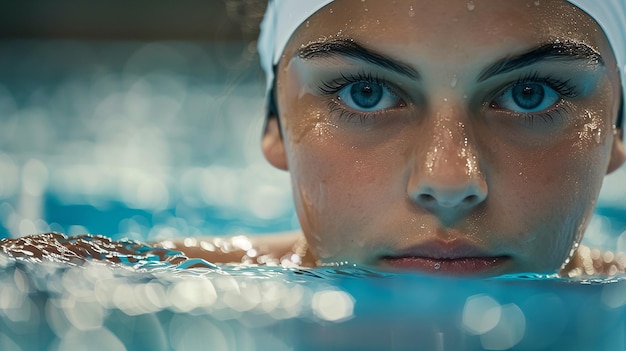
[
  {"x": 367, "y": 96},
  {"x": 528, "y": 98}
]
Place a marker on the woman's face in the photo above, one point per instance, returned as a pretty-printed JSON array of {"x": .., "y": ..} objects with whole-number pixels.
[{"x": 446, "y": 136}]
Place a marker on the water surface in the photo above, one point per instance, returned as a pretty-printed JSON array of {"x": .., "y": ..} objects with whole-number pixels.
[{"x": 152, "y": 299}]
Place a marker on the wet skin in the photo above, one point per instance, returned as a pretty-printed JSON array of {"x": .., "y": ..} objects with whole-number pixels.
[{"x": 447, "y": 171}]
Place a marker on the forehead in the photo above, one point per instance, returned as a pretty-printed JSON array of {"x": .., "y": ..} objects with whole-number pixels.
[{"x": 440, "y": 29}]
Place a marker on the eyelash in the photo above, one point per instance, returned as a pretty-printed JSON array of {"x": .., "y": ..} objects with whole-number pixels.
[
  {"x": 331, "y": 88},
  {"x": 560, "y": 111},
  {"x": 563, "y": 87}
]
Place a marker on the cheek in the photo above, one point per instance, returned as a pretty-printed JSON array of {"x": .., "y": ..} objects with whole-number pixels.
[
  {"x": 342, "y": 185},
  {"x": 548, "y": 196},
  {"x": 327, "y": 185},
  {"x": 556, "y": 191},
  {"x": 336, "y": 185},
  {"x": 555, "y": 178}
]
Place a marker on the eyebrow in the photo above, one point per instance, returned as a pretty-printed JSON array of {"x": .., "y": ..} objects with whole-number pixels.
[
  {"x": 558, "y": 51},
  {"x": 345, "y": 47}
]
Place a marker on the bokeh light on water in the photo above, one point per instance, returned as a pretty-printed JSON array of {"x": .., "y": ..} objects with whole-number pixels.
[
  {"x": 48, "y": 306},
  {"x": 149, "y": 140}
]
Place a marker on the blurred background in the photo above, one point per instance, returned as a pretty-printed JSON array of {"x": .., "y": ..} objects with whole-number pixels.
[
  {"x": 137, "y": 119},
  {"x": 143, "y": 118}
]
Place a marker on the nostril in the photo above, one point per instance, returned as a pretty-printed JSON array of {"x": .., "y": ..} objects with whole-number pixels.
[
  {"x": 470, "y": 199},
  {"x": 448, "y": 197},
  {"x": 427, "y": 198}
]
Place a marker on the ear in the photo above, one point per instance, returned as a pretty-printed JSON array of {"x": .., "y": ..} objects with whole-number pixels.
[
  {"x": 273, "y": 145},
  {"x": 618, "y": 155}
]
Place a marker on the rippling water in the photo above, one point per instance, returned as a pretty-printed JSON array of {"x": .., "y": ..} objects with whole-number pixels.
[{"x": 146, "y": 299}]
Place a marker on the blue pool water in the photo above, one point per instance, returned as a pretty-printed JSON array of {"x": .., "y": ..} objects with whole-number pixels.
[
  {"x": 149, "y": 306},
  {"x": 154, "y": 141},
  {"x": 131, "y": 139}
]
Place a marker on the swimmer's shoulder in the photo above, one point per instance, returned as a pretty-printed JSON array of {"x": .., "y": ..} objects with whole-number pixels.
[
  {"x": 287, "y": 248},
  {"x": 588, "y": 261},
  {"x": 268, "y": 249}
]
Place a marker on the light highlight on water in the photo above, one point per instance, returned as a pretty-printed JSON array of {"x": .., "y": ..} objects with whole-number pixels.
[{"x": 147, "y": 306}]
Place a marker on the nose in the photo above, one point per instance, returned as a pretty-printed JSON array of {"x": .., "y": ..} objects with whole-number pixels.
[{"x": 447, "y": 176}]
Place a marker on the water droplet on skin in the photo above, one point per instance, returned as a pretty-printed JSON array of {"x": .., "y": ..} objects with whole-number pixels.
[
  {"x": 437, "y": 266},
  {"x": 471, "y": 6},
  {"x": 454, "y": 82},
  {"x": 536, "y": 2},
  {"x": 411, "y": 12},
  {"x": 307, "y": 24},
  {"x": 331, "y": 11},
  {"x": 599, "y": 136}
]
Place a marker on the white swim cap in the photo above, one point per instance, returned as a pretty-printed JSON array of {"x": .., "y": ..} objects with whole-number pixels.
[{"x": 283, "y": 17}]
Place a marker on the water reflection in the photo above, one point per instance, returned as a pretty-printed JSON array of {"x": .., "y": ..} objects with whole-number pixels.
[{"x": 57, "y": 306}]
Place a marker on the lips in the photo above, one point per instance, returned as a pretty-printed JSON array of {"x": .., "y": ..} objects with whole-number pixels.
[{"x": 455, "y": 257}]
